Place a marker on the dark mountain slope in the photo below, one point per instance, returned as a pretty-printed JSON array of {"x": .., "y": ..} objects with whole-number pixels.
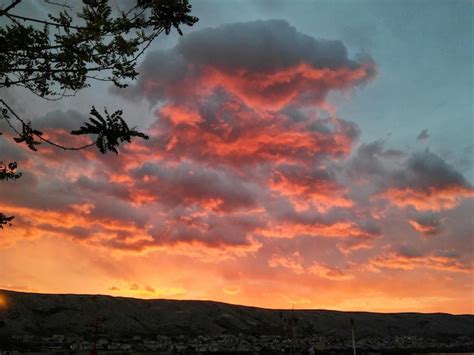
[{"x": 46, "y": 314}]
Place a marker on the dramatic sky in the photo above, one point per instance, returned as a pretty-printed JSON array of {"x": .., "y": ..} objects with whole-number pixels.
[{"x": 315, "y": 154}]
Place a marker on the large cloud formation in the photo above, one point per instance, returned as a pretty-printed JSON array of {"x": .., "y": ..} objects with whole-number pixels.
[
  {"x": 243, "y": 94},
  {"x": 249, "y": 166}
]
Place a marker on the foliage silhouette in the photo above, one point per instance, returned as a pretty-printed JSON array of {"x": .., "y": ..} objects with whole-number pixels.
[
  {"x": 110, "y": 132},
  {"x": 58, "y": 56},
  {"x": 7, "y": 172}
]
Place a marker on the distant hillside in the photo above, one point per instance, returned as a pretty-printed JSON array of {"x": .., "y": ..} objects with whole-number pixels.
[{"x": 45, "y": 314}]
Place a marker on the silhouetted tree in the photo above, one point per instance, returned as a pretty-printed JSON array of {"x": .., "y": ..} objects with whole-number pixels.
[{"x": 57, "y": 56}]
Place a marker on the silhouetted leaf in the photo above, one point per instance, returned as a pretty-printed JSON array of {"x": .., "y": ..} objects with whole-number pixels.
[
  {"x": 28, "y": 136},
  {"x": 8, "y": 171},
  {"x": 4, "y": 220},
  {"x": 111, "y": 130}
]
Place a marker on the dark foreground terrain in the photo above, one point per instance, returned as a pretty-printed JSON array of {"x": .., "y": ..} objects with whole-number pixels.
[{"x": 45, "y": 322}]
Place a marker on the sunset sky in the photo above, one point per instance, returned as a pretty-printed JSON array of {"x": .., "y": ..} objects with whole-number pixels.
[{"x": 306, "y": 154}]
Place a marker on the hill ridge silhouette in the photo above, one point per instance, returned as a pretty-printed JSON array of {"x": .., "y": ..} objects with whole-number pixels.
[{"x": 45, "y": 314}]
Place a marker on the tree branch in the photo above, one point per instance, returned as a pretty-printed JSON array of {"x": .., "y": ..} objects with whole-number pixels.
[
  {"x": 39, "y": 136},
  {"x": 9, "y": 7},
  {"x": 48, "y": 23}
]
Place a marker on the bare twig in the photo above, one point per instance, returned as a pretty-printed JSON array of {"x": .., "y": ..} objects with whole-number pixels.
[{"x": 38, "y": 135}]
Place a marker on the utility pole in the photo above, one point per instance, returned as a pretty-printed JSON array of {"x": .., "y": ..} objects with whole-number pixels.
[
  {"x": 294, "y": 331},
  {"x": 97, "y": 324},
  {"x": 353, "y": 337}
]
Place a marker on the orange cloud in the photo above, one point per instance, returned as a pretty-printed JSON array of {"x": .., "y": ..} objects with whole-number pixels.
[
  {"x": 440, "y": 263},
  {"x": 293, "y": 262},
  {"x": 334, "y": 230},
  {"x": 180, "y": 115},
  {"x": 251, "y": 138},
  {"x": 274, "y": 90},
  {"x": 422, "y": 228},
  {"x": 231, "y": 291},
  {"x": 436, "y": 199},
  {"x": 330, "y": 273},
  {"x": 306, "y": 188}
]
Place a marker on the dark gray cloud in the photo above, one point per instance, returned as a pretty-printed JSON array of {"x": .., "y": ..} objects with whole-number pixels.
[
  {"x": 425, "y": 171},
  {"x": 107, "y": 208},
  {"x": 76, "y": 232},
  {"x": 190, "y": 183},
  {"x": 98, "y": 185},
  {"x": 423, "y": 136},
  {"x": 10, "y": 151},
  {"x": 409, "y": 256},
  {"x": 32, "y": 191},
  {"x": 372, "y": 161},
  {"x": 422, "y": 171},
  {"x": 67, "y": 120},
  {"x": 281, "y": 211},
  {"x": 247, "y": 47},
  {"x": 211, "y": 230},
  {"x": 261, "y": 46},
  {"x": 311, "y": 180}
]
